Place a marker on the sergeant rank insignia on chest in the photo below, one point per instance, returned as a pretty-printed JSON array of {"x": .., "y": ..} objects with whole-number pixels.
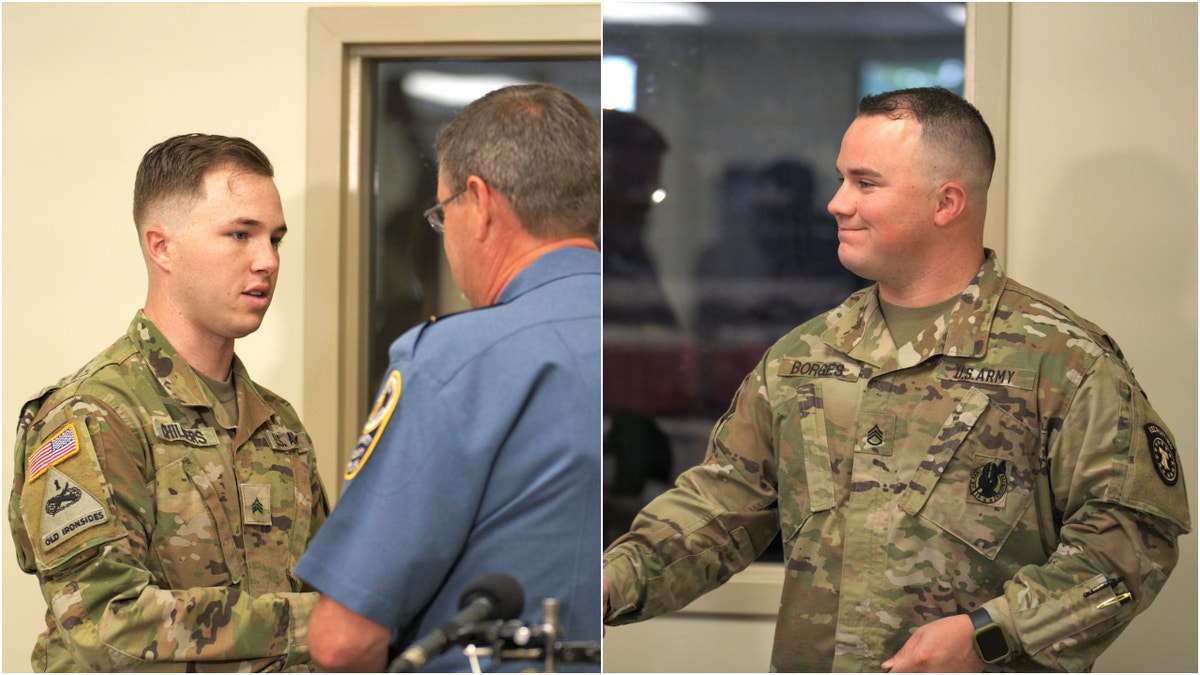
[{"x": 256, "y": 504}]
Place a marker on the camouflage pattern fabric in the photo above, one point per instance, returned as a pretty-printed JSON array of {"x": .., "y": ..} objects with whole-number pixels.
[
  {"x": 163, "y": 535},
  {"x": 1005, "y": 458}
]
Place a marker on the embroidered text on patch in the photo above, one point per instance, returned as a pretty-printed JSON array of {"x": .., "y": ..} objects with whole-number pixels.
[
  {"x": 61, "y": 446},
  {"x": 69, "y": 510}
]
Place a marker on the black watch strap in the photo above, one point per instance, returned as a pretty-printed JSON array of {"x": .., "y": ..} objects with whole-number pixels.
[{"x": 980, "y": 618}]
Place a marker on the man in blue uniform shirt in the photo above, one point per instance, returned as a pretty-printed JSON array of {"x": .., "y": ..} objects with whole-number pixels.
[{"x": 482, "y": 451}]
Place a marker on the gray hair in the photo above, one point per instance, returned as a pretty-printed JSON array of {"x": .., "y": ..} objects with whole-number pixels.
[{"x": 539, "y": 147}]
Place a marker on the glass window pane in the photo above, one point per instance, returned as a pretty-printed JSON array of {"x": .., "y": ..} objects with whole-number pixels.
[
  {"x": 413, "y": 99},
  {"x": 716, "y": 236}
]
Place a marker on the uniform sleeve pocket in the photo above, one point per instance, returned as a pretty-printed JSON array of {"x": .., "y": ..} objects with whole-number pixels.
[
  {"x": 976, "y": 482},
  {"x": 805, "y": 471},
  {"x": 192, "y": 536}
]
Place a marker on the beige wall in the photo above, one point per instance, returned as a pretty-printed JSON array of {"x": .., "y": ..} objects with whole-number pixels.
[
  {"x": 1102, "y": 208},
  {"x": 1102, "y": 215},
  {"x": 87, "y": 89}
]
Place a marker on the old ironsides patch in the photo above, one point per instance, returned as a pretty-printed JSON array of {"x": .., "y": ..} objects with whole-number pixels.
[
  {"x": 1162, "y": 454},
  {"x": 68, "y": 509}
]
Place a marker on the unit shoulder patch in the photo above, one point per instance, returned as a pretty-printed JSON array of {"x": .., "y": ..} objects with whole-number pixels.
[
  {"x": 68, "y": 509},
  {"x": 377, "y": 420},
  {"x": 1162, "y": 454}
]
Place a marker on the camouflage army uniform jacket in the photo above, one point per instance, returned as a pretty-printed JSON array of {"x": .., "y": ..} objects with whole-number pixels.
[
  {"x": 1005, "y": 458},
  {"x": 162, "y": 536}
]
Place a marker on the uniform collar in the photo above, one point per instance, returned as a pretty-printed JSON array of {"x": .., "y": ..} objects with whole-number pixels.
[
  {"x": 549, "y": 267},
  {"x": 184, "y": 385},
  {"x": 860, "y": 331}
]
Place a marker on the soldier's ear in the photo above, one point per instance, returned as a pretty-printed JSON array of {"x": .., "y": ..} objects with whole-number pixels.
[
  {"x": 951, "y": 202},
  {"x": 156, "y": 241}
]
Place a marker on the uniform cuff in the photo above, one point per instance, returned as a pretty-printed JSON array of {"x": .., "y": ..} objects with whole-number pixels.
[
  {"x": 1001, "y": 614},
  {"x": 300, "y": 607},
  {"x": 622, "y": 591}
]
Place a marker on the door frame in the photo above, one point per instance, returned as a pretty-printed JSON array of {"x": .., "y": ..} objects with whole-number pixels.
[{"x": 340, "y": 42}]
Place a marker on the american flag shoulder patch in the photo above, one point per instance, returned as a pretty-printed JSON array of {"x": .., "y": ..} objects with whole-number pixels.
[{"x": 61, "y": 445}]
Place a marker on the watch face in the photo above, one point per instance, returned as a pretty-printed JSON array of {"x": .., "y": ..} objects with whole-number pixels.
[{"x": 992, "y": 643}]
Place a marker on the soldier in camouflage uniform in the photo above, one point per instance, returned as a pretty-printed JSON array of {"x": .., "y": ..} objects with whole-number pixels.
[
  {"x": 945, "y": 451},
  {"x": 160, "y": 495}
]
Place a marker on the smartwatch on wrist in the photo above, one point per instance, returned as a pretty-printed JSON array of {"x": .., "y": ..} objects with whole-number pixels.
[{"x": 991, "y": 643}]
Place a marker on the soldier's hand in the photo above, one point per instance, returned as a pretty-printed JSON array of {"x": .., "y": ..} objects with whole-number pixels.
[{"x": 946, "y": 646}]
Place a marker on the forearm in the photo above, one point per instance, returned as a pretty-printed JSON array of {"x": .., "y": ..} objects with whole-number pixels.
[
  {"x": 117, "y": 619},
  {"x": 1110, "y": 565},
  {"x": 680, "y": 547},
  {"x": 342, "y": 640},
  {"x": 1121, "y": 511}
]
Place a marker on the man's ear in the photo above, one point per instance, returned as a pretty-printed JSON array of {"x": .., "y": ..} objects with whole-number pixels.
[
  {"x": 483, "y": 200},
  {"x": 951, "y": 202},
  {"x": 158, "y": 244}
]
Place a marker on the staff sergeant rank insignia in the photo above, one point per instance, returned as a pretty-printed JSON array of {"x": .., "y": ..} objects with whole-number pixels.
[{"x": 1162, "y": 454}]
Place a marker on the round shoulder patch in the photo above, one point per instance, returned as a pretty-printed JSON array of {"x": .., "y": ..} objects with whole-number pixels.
[
  {"x": 1162, "y": 454},
  {"x": 376, "y": 421}
]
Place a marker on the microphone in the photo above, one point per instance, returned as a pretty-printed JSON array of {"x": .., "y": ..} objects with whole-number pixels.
[{"x": 489, "y": 597}]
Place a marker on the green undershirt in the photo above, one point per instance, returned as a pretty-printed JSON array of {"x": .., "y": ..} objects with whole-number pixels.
[
  {"x": 906, "y": 323},
  {"x": 226, "y": 394}
]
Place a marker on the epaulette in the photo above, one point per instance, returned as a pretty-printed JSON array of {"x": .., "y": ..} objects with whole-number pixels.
[{"x": 420, "y": 329}]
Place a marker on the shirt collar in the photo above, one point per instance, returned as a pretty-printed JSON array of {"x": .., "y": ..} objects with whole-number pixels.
[
  {"x": 549, "y": 267},
  {"x": 860, "y": 331},
  {"x": 184, "y": 385}
]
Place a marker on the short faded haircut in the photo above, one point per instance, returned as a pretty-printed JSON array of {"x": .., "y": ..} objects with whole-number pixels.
[
  {"x": 175, "y": 169},
  {"x": 538, "y": 146},
  {"x": 950, "y": 125}
]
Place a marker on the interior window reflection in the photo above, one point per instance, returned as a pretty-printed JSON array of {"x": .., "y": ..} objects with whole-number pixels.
[{"x": 719, "y": 155}]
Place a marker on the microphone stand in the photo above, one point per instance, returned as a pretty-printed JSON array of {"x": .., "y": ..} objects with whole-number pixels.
[
  {"x": 551, "y": 629},
  {"x": 531, "y": 642}
]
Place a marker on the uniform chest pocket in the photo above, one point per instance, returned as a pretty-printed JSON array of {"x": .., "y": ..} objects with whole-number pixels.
[
  {"x": 192, "y": 536},
  {"x": 290, "y": 476},
  {"x": 805, "y": 484},
  {"x": 977, "y": 481}
]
